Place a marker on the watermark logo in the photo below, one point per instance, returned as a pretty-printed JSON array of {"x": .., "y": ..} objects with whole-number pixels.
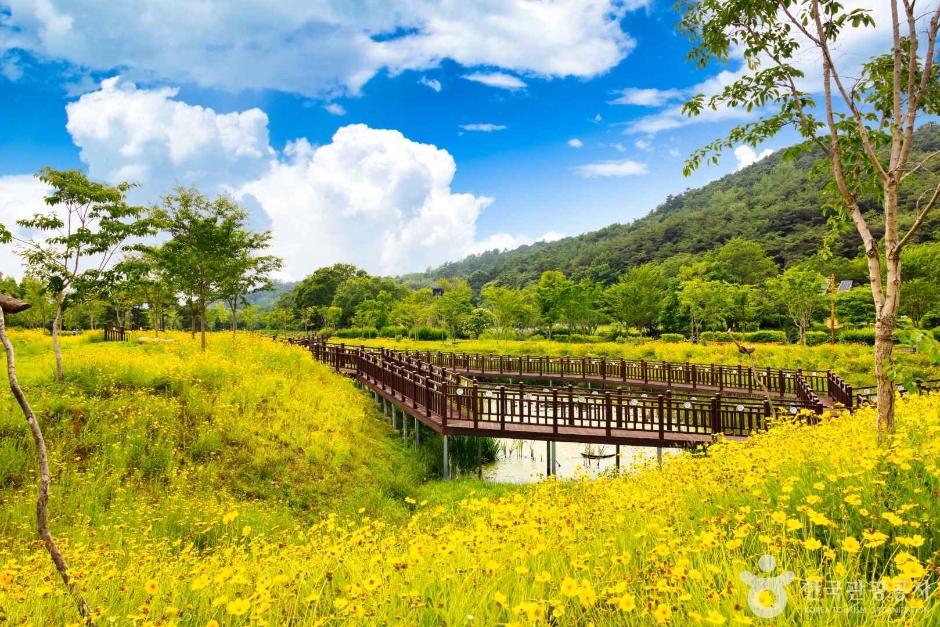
[{"x": 777, "y": 586}]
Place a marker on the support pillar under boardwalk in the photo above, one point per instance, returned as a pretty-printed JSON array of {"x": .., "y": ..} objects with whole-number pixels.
[
  {"x": 417, "y": 434},
  {"x": 617, "y": 456},
  {"x": 404, "y": 425},
  {"x": 551, "y": 451},
  {"x": 446, "y": 461},
  {"x": 659, "y": 456},
  {"x": 394, "y": 418}
]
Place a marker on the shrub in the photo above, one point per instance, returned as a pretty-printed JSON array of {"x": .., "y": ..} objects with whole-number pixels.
[
  {"x": 857, "y": 336},
  {"x": 358, "y": 333},
  {"x": 393, "y": 332},
  {"x": 428, "y": 334},
  {"x": 766, "y": 336},
  {"x": 672, "y": 338},
  {"x": 817, "y": 338},
  {"x": 712, "y": 336}
]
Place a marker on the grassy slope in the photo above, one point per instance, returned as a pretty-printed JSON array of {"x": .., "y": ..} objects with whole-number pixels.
[
  {"x": 140, "y": 425},
  {"x": 851, "y": 361}
]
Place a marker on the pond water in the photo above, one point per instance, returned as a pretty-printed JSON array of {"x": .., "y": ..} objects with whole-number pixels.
[{"x": 524, "y": 461}]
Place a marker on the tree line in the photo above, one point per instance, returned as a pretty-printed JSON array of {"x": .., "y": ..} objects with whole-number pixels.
[{"x": 737, "y": 285}]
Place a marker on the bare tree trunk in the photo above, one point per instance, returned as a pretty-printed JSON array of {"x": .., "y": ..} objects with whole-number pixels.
[
  {"x": 56, "y": 326},
  {"x": 43, "y": 495},
  {"x": 156, "y": 321}
]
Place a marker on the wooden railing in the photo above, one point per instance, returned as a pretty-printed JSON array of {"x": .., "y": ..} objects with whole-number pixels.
[
  {"x": 781, "y": 382},
  {"x": 456, "y": 403},
  {"x": 115, "y": 334}
]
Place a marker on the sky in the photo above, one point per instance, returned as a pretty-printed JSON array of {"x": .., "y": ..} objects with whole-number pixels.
[{"x": 393, "y": 134}]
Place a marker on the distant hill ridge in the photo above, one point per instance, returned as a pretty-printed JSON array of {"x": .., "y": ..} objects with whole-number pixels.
[{"x": 773, "y": 202}]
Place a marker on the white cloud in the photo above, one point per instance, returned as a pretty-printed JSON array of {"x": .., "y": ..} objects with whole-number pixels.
[
  {"x": 505, "y": 241},
  {"x": 747, "y": 156},
  {"x": 673, "y": 152},
  {"x": 21, "y": 196},
  {"x": 646, "y": 97},
  {"x": 320, "y": 48},
  {"x": 598, "y": 118},
  {"x": 431, "y": 82},
  {"x": 619, "y": 147},
  {"x": 673, "y": 117},
  {"x": 575, "y": 143},
  {"x": 148, "y": 136},
  {"x": 10, "y": 67},
  {"x": 625, "y": 167},
  {"x": 335, "y": 109},
  {"x": 551, "y": 236},
  {"x": 370, "y": 197},
  {"x": 483, "y": 128},
  {"x": 643, "y": 144},
  {"x": 496, "y": 79}
]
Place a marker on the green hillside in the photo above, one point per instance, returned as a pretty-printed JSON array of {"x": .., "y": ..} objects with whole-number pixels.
[{"x": 773, "y": 202}]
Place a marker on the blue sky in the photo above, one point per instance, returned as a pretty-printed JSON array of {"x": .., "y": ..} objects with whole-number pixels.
[{"x": 451, "y": 128}]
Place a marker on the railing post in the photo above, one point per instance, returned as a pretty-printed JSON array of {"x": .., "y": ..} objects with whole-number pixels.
[
  {"x": 645, "y": 370},
  {"x": 603, "y": 369},
  {"x": 584, "y": 367},
  {"x": 716, "y": 414},
  {"x": 446, "y": 408},
  {"x": 782, "y": 378},
  {"x": 694, "y": 374},
  {"x": 662, "y": 417},
  {"x": 609, "y": 411},
  {"x": 623, "y": 371},
  {"x": 554, "y": 410},
  {"x": 476, "y": 405},
  {"x": 768, "y": 413},
  {"x": 502, "y": 408},
  {"x": 570, "y": 405}
]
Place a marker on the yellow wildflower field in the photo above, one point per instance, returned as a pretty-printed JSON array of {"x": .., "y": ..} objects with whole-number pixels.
[{"x": 849, "y": 525}]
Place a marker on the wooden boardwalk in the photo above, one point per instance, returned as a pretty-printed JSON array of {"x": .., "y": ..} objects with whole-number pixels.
[{"x": 441, "y": 390}]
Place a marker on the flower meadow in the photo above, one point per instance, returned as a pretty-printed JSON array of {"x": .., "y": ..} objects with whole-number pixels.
[{"x": 254, "y": 529}]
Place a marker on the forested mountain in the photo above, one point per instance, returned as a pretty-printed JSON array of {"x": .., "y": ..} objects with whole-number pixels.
[{"x": 774, "y": 202}]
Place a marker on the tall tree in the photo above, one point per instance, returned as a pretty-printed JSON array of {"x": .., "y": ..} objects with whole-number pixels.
[
  {"x": 637, "y": 299},
  {"x": 205, "y": 235},
  {"x": 506, "y": 305},
  {"x": 247, "y": 272},
  {"x": 800, "y": 292},
  {"x": 867, "y": 124},
  {"x": 88, "y": 223},
  {"x": 454, "y": 306}
]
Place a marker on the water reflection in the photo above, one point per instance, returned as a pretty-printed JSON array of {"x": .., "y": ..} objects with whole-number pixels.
[{"x": 524, "y": 461}]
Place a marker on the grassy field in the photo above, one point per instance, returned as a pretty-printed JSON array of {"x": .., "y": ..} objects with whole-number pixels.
[
  {"x": 187, "y": 492},
  {"x": 852, "y": 361}
]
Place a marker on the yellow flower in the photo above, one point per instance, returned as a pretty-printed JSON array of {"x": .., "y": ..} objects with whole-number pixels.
[
  {"x": 569, "y": 587},
  {"x": 212, "y": 623},
  {"x": 229, "y": 517},
  {"x": 663, "y": 613},
  {"x": 152, "y": 587},
  {"x": 851, "y": 545},
  {"x": 237, "y": 607},
  {"x": 873, "y": 539},
  {"x": 246, "y": 531},
  {"x": 500, "y": 599},
  {"x": 715, "y": 618},
  {"x": 410, "y": 500},
  {"x": 812, "y": 544},
  {"x": 626, "y": 603},
  {"x": 914, "y": 541},
  {"x": 543, "y": 576}
]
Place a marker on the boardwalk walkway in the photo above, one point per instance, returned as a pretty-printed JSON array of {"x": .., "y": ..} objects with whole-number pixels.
[{"x": 682, "y": 405}]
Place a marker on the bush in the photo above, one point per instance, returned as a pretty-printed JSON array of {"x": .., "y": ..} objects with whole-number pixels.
[
  {"x": 712, "y": 336},
  {"x": 392, "y": 332},
  {"x": 427, "y": 334},
  {"x": 817, "y": 338},
  {"x": 672, "y": 338},
  {"x": 857, "y": 336},
  {"x": 358, "y": 333},
  {"x": 766, "y": 336}
]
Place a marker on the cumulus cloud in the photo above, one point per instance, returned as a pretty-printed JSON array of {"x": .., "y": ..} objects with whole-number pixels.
[
  {"x": 496, "y": 79},
  {"x": 624, "y": 167},
  {"x": 483, "y": 128},
  {"x": 21, "y": 196},
  {"x": 431, "y": 82},
  {"x": 335, "y": 109},
  {"x": 646, "y": 97},
  {"x": 370, "y": 197},
  {"x": 643, "y": 144},
  {"x": 505, "y": 241},
  {"x": 319, "y": 48},
  {"x": 575, "y": 143},
  {"x": 747, "y": 156},
  {"x": 150, "y": 137}
]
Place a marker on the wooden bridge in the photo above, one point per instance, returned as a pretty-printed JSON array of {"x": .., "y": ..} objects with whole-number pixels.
[{"x": 656, "y": 404}]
